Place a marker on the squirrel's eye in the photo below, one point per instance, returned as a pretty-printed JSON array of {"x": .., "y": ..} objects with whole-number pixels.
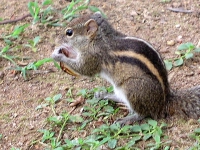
[{"x": 69, "y": 32}]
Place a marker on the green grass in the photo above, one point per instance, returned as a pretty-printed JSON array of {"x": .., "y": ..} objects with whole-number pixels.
[
  {"x": 32, "y": 43},
  {"x": 107, "y": 135},
  {"x": 151, "y": 134}
]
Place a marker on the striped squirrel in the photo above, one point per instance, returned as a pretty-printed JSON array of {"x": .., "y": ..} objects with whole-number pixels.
[{"x": 136, "y": 70}]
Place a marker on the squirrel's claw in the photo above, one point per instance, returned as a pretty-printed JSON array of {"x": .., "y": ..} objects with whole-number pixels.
[{"x": 129, "y": 119}]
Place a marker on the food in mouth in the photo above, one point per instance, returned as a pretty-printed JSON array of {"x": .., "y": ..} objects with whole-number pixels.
[{"x": 64, "y": 67}]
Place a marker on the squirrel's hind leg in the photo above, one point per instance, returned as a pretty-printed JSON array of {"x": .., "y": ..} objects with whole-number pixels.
[
  {"x": 122, "y": 121},
  {"x": 130, "y": 119},
  {"x": 109, "y": 96}
]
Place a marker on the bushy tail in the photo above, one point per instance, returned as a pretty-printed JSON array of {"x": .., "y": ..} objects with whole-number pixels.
[{"x": 185, "y": 103}]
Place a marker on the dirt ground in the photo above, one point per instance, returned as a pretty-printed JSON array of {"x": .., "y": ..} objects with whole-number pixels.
[{"x": 149, "y": 20}]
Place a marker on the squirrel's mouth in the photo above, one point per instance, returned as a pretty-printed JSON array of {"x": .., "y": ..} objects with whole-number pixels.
[{"x": 68, "y": 51}]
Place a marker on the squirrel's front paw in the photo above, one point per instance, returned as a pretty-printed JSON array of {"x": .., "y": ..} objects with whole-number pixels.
[
  {"x": 100, "y": 95},
  {"x": 122, "y": 122}
]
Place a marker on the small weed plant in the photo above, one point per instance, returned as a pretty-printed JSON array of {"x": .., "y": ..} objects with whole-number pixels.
[
  {"x": 34, "y": 66},
  {"x": 32, "y": 43},
  {"x": 185, "y": 51},
  {"x": 45, "y": 13},
  {"x": 4, "y": 54}
]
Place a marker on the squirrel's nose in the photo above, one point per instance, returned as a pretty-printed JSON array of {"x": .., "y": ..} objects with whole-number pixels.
[{"x": 60, "y": 51}]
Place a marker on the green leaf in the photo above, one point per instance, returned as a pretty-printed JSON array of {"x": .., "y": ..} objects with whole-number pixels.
[
  {"x": 41, "y": 106},
  {"x": 156, "y": 137},
  {"x": 110, "y": 89},
  {"x": 145, "y": 127},
  {"x": 30, "y": 4},
  {"x": 47, "y": 2},
  {"x": 115, "y": 127},
  {"x": 163, "y": 125},
  {"x": 55, "y": 119},
  {"x": 183, "y": 46},
  {"x": 59, "y": 148},
  {"x": 104, "y": 140},
  {"x": 8, "y": 57},
  {"x": 177, "y": 52},
  {"x": 109, "y": 109},
  {"x": 168, "y": 64},
  {"x": 87, "y": 114},
  {"x": 186, "y": 46},
  {"x": 41, "y": 62},
  {"x": 5, "y": 49},
  {"x": 94, "y": 9},
  {"x": 28, "y": 45},
  {"x": 31, "y": 42},
  {"x": 48, "y": 99},
  {"x": 57, "y": 97},
  {"x": 36, "y": 40},
  {"x": 125, "y": 129},
  {"x": 34, "y": 10},
  {"x": 8, "y": 42},
  {"x": 189, "y": 55},
  {"x": 158, "y": 131},
  {"x": 133, "y": 140},
  {"x": 167, "y": 148},
  {"x": 197, "y": 130},
  {"x": 136, "y": 128},
  {"x": 112, "y": 143},
  {"x": 76, "y": 119},
  {"x": 178, "y": 62},
  {"x": 153, "y": 123},
  {"x": 17, "y": 31},
  {"x": 147, "y": 136}
]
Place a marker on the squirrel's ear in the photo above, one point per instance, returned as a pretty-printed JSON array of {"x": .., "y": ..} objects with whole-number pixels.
[{"x": 91, "y": 27}]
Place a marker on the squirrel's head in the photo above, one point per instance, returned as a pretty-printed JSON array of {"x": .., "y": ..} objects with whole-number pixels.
[
  {"x": 75, "y": 43},
  {"x": 84, "y": 27},
  {"x": 77, "y": 36}
]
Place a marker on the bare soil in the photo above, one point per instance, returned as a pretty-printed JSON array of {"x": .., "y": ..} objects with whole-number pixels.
[{"x": 149, "y": 20}]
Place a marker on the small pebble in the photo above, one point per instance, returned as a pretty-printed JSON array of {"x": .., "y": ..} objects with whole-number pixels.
[
  {"x": 31, "y": 127},
  {"x": 2, "y": 74},
  {"x": 134, "y": 13},
  {"x": 177, "y": 25},
  {"x": 171, "y": 43},
  {"x": 15, "y": 115},
  {"x": 179, "y": 39},
  {"x": 191, "y": 73},
  {"x": 66, "y": 136},
  {"x": 164, "y": 51},
  {"x": 198, "y": 70}
]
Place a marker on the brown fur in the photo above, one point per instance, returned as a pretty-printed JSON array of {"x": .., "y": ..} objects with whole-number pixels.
[{"x": 133, "y": 65}]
